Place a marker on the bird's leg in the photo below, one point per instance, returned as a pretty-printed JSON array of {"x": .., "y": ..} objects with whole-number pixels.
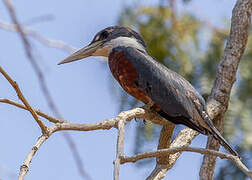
[{"x": 150, "y": 105}]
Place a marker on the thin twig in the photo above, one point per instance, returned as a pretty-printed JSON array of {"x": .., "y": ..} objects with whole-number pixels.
[
  {"x": 42, "y": 81},
  {"x": 215, "y": 108},
  {"x": 218, "y": 100},
  {"x": 106, "y": 124},
  {"x": 165, "y": 152},
  {"x": 128, "y": 115},
  {"x": 119, "y": 147},
  {"x": 26, "y": 165},
  {"x": 117, "y": 122},
  {"x": 133, "y": 113},
  {"x": 44, "y": 115},
  {"x": 39, "y": 19},
  {"x": 164, "y": 142},
  {"x": 22, "y": 98},
  {"x": 184, "y": 138},
  {"x": 58, "y": 44},
  {"x": 31, "y": 58}
]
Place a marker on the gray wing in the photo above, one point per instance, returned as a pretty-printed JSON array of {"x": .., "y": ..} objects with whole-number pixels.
[{"x": 175, "y": 95}]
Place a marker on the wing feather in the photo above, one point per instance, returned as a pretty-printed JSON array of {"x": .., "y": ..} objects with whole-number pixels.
[
  {"x": 178, "y": 99},
  {"x": 175, "y": 95}
]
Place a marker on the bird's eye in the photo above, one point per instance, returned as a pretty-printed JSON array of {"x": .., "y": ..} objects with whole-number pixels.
[{"x": 103, "y": 35}]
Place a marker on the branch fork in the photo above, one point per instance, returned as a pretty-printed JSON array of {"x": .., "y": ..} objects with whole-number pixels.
[
  {"x": 166, "y": 155},
  {"x": 168, "y": 151}
]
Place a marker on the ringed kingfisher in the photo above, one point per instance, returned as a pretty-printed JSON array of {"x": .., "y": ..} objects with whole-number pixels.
[{"x": 169, "y": 94}]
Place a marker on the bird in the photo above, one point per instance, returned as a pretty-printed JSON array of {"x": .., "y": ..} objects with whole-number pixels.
[{"x": 140, "y": 75}]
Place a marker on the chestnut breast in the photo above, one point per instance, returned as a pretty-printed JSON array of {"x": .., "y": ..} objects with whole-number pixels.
[{"x": 125, "y": 73}]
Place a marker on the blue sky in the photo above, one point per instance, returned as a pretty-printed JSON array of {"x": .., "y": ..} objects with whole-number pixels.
[{"x": 80, "y": 90}]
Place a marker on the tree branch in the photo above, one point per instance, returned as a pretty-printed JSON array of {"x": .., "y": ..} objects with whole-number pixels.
[
  {"x": 22, "y": 98},
  {"x": 226, "y": 75},
  {"x": 164, "y": 142},
  {"x": 31, "y": 58},
  {"x": 117, "y": 122},
  {"x": 165, "y": 152},
  {"x": 24, "y": 168},
  {"x": 42, "y": 82},
  {"x": 217, "y": 103},
  {"x": 44, "y": 115},
  {"x": 106, "y": 124},
  {"x": 119, "y": 147},
  {"x": 183, "y": 139},
  {"x": 48, "y": 42}
]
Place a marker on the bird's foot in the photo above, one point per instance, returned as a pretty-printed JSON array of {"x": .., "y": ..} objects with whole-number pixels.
[{"x": 150, "y": 105}]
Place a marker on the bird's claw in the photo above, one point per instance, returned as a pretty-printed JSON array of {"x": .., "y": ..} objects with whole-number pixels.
[{"x": 150, "y": 105}]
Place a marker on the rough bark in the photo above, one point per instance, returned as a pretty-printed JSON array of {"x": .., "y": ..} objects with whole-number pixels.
[{"x": 226, "y": 76}]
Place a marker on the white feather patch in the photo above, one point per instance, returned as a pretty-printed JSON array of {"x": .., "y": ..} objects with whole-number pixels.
[
  {"x": 126, "y": 42},
  {"x": 120, "y": 41}
]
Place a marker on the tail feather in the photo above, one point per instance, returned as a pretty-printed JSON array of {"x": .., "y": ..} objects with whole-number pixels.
[{"x": 217, "y": 135}]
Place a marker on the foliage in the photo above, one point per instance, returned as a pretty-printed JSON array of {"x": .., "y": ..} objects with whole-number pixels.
[{"x": 193, "y": 49}]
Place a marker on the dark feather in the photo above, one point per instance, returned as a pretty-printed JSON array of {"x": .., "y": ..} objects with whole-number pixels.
[
  {"x": 178, "y": 100},
  {"x": 166, "y": 88}
]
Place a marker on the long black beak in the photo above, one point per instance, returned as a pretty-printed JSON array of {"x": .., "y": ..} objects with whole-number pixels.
[{"x": 83, "y": 53}]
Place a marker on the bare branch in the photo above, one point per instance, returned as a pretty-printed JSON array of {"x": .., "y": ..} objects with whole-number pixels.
[
  {"x": 32, "y": 60},
  {"x": 26, "y": 165},
  {"x": 26, "y": 43},
  {"x": 42, "y": 81},
  {"x": 164, "y": 142},
  {"x": 22, "y": 98},
  {"x": 184, "y": 138},
  {"x": 39, "y": 19},
  {"x": 218, "y": 101},
  {"x": 58, "y": 44},
  {"x": 49, "y": 118},
  {"x": 107, "y": 124},
  {"x": 165, "y": 152},
  {"x": 226, "y": 75},
  {"x": 119, "y": 147},
  {"x": 117, "y": 122}
]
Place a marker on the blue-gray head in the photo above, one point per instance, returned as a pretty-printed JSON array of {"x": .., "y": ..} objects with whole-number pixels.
[{"x": 107, "y": 39}]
